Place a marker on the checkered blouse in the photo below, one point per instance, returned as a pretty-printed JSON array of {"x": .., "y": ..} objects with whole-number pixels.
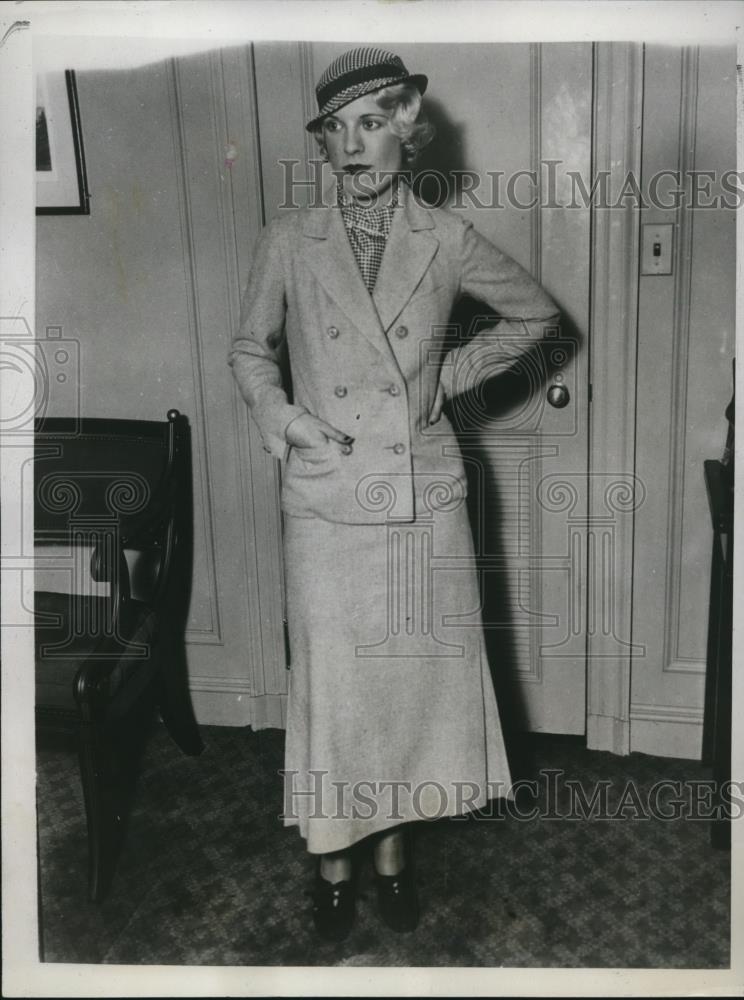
[{"x": 368, "y": 230}]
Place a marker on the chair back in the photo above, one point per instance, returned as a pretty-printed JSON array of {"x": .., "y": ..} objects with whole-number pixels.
[{"x": 128, "y": 481}]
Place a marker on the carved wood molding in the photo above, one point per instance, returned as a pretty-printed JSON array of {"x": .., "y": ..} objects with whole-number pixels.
[
  {"x": 220, "y": 685},
  {"x": 672, "y": 660},
  {"x": 212, "y": 631},
  {"x": 666, "y": 713},
  {"x": 307, "y": 94},
  {"x": 241, "y": 198},
  {"x": 617, "y": 115},
  {"x": 243, "y": 217}
]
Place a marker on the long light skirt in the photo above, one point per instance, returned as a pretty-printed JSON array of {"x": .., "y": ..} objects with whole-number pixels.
[{"x": 392, "y": 715}]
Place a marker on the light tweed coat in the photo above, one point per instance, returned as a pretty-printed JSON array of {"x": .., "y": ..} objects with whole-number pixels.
[
  {"x": 370, "y": 366},
  {"x": 389, "y": 676}
]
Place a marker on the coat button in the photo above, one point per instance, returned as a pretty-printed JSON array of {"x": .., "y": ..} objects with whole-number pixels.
[
  {"x": 340, "y": 391},
  {"x": 394, "y": 390},
  {"x": 346, "y": 449},
  {"x": 399, "y": 448},
  {"x": 333, "y": 332},
  {"x": 401, "y": 331}
]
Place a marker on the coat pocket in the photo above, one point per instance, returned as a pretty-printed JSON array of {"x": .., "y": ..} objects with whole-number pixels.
[{"x": 317, "y": 460}]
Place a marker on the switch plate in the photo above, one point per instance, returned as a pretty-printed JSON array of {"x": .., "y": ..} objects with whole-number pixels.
[{"x": 656, "y": 250}]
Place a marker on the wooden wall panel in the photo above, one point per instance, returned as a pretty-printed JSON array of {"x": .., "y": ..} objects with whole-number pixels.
[
  {"x": 152, "y": 293},
  {"x": 222, "y": 197},
  {"x": 686, "y": 342},
  {"x": 125, "y": 291}
]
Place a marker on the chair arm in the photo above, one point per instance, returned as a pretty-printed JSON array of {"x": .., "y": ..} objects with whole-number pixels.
[
  {"x": 155, "y": 532},
  {"x": 108, "y": 564},
  {"x": 91, "y": 684},
  {"x": 165, "y": 569}
]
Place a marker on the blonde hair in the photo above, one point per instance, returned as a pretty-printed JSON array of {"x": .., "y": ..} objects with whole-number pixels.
[{"x": 406, "y": 121}]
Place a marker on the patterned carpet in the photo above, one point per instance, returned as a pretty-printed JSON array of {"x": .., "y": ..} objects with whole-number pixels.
[{"x": 208, "y": 876}]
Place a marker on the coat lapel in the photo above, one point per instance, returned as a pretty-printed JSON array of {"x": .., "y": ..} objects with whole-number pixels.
[
  {"x": 329, "y": 256},
  {"x": 410, "y": 250}
]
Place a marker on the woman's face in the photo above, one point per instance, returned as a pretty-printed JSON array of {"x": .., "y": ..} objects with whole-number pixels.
[{"x": 362, "y": 150}]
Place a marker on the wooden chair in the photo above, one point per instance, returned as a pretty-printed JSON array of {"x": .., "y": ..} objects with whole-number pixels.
[{"x": 113, "y": 497}]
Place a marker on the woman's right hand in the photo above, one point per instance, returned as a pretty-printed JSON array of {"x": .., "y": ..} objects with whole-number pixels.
[{"x": 307, "y": 431}]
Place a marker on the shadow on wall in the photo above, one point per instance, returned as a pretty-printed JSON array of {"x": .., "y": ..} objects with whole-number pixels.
[
  {"x": 479, "y": 418},
  {"x": 440, "y": 165}
]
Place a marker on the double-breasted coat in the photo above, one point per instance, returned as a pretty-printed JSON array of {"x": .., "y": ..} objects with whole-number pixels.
[{"x": 389, "y": 679}]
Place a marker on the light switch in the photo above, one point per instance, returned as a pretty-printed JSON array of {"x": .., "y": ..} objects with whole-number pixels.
[{"x": 656, "y": 251}]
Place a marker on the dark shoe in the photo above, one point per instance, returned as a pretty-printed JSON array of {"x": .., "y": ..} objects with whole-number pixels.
[
  {"x": 333, "y": 908},
  {"x": 397, "y": 900}
]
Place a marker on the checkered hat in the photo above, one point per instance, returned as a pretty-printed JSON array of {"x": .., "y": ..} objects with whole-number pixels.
[{"x": 356, "y": 73}]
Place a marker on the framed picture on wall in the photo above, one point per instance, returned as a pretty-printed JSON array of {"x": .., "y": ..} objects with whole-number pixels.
[{"x": 61, "y": 181}]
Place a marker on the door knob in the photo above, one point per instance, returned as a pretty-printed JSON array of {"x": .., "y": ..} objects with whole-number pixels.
[{"x": 558, "y": 396}]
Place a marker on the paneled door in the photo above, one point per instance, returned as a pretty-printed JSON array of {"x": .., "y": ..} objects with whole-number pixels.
[{"x": 514, "y": 127}]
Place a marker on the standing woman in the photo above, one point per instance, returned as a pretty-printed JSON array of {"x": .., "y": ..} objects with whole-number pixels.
[{"x": 392, "y": 716}]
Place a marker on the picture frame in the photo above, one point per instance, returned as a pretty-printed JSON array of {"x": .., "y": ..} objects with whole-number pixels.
[{"x": 61, "y": 178}]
